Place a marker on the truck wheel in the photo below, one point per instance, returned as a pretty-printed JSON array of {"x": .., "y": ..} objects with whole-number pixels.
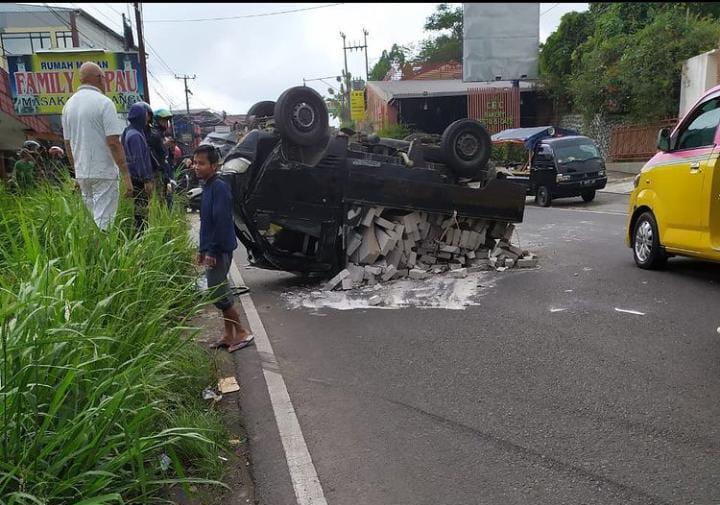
[
  {"x": 466, "y": 146},
  {"x": 542, "y": 197},
  {"x": 266, "y": 108},
  {"x": 647, "y": 251},
  {"x": 301, "y": 116},
  {"x": 588, "y": 196}
]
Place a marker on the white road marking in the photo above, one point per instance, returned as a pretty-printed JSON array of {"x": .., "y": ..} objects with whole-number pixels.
[
  {"x": 557, "y": 310},
  {"x": 630, "y": 311},
  {"x": 308, "y": 490}
]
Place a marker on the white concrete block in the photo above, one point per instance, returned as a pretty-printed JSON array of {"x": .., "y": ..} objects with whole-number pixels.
[
  {"x": 412, "y": 259},
  {"x": 527, "y": 262},
  {"x": 459, "y": 273},
  {"x": 375, "y": 300},
  {"x": 356, "y": 273},
  {"x": 369, "y": 216},
  {"x": 354, "y": 243},
  {"x": 369, "y": 250},
  {"x": 347, "y": 283},
  {"x": 389, "y": 273},
  {"x": 330, "y": 285},
  {"x": 418, "y": 274},
  {"x": 384, "y": 223}
]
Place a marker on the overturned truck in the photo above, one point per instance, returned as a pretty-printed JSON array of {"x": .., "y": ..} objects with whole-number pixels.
[{"x": 301, "y": 195}]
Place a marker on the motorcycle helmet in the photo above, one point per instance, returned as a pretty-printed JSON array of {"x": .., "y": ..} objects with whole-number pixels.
[
  {"x": 31, "y": 146},
  {"x": 163, "y": 114},
  {"x": 56, "y": 152}
]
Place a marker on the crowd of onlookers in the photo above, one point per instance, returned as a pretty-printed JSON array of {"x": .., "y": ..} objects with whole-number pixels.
[{"x": 35, "y": 163}]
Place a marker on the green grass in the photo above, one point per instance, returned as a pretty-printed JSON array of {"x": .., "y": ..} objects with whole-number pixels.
[{"x": 98, "y": 373}]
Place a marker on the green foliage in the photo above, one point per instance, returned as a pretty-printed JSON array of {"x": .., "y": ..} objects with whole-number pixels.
[
  {"x": 397, "y": 54},
  {"x": 99, "y": 376},
  {"x": 559, "y": 57},
  {"x": 626, "y": 58},
  {"x": 395, "y": 131},
  {"x": 509, "y": 152},
  {"x": 445, "y": 46},
  {"x": 447, "y": 23}
]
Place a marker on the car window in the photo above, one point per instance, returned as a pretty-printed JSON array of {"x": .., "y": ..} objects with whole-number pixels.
[
  {"x": 576, "y": 150},
  {"x": 701, "y": 130}
]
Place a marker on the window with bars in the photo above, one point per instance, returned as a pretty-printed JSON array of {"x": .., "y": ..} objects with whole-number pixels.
[{"x": 24, "y": 42}]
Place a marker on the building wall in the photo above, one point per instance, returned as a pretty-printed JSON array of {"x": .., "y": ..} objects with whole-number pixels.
[
  {"x": 699, "y": 74},
  {"x": 92, "y": 35},
  {"x": 380, "y": 113}
]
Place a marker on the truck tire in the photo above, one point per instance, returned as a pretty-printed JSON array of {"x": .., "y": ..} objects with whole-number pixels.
[
  {"x": 266, "y": 108},
  {"x": 588, "y": 196},
  {"x": 301, "y": 116},
  {"x": 466, "y": 146},
  {"x": 543, "y": 197}
]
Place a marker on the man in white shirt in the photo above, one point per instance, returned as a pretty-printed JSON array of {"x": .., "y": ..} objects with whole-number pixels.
[{"x": 92, "y": 129}]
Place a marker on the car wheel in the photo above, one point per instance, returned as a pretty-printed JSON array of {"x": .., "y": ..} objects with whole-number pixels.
[
  {"x": 301, "y": 116},
  {"x": 647, "y": 251},
  {"x": 542, "y": 196},
  {"x": 466, "y": 147},
  {"x": 266, "y": 108},
  {"x": 588, "y": 196}
]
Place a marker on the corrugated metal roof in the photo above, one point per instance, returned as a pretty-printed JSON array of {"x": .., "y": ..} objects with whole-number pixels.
[
  {"x": 389, "y": 90},
  {"x": 24, "y": 8}
]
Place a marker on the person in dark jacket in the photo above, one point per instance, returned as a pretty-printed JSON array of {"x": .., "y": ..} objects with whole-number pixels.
[
  {"x": 137, "y": 154},
  {"x": 159, "y": 153},
  {"x": 217, "y": 243}
]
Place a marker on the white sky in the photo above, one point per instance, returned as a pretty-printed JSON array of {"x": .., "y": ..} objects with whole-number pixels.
[{"x": 241, "y": 61}]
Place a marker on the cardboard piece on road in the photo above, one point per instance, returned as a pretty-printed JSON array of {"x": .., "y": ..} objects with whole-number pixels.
[{"x": 228, "y": 385}]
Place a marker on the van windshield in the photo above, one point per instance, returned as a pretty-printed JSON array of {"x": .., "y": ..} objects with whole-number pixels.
[{"x": 575, "y": 150}]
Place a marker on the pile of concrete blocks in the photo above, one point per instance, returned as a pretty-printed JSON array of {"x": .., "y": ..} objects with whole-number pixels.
[{"x": 385, "y": 244}]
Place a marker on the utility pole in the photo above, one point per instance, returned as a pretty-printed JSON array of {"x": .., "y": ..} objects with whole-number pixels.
[
  {"x": 367, "y": 67},
  {"x": 187, "y": 91},
  {"x": 141, "y": 49},
  {"x": 347, "y": 48}
]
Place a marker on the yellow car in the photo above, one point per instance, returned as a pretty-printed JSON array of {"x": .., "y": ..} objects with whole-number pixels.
[{"x": 675, "y": 206}]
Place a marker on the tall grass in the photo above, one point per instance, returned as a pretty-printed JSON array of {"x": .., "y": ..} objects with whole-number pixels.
[{"x": 98, "y": 377}]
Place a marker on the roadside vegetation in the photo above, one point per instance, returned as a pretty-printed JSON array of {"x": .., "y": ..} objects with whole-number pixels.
[{"x": 100, "y": 382}]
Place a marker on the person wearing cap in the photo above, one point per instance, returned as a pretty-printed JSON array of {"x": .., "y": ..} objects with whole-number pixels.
[{"x": 159, "y": 153}]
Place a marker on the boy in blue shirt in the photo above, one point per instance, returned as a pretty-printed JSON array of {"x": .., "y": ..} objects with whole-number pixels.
[{"x": 217, "y": 243}]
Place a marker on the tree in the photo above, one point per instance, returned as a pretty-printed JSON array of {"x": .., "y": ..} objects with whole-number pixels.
[
  {"x": 397, "y": 55},
  {"x": 627, "y": 58},
  {"x": 448, "y": 44},
  {"x": 447, "y": 23},
  {"x": 559, "y": 57}
]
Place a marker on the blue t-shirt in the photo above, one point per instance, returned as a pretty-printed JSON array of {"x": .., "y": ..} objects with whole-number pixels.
[{"x": 217, "y": 231}]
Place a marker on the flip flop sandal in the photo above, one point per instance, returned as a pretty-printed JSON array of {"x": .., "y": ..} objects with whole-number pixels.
[
  {"x": 250, "y": 340},
  {"x": 240, "y": 290},
  {"x": 218, "y": 344}
]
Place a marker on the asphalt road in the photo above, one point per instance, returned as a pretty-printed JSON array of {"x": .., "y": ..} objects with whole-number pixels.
[{"x": 540, "y": 393}]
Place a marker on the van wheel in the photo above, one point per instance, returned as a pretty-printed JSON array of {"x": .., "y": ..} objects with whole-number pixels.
[
  {"x": 301, "y": 116},
  {"x": 542, "y": 197},
  {"x": 647, "y": 251},
  {"x": 588, "y": 196}
]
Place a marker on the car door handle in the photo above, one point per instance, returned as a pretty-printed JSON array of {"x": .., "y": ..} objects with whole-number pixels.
[{"x": 695, "y": 167}]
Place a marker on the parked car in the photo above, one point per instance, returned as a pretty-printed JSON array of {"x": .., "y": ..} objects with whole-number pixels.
[
  {"x": 561, "y": 164},
  {"x": 293, "y": 183},
  {"x": 675, "y": 206},
  {"x": 223, "y": 142}
]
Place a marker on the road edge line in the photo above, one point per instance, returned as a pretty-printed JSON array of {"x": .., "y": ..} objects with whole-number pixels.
[{"x": 308, "y": 490}]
